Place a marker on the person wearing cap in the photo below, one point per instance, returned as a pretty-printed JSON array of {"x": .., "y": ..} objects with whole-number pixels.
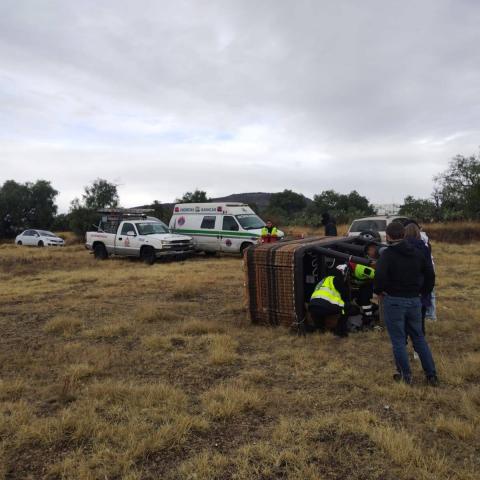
[
  {"x": 331, "y": 297},
  {"x": 269, "y": 233},
  {"x": 402, "y": 275},
  {"x": 361, "y": 279}
]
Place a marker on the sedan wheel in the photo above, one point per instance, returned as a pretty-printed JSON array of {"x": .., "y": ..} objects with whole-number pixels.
[
  {"x": 40, "y": 243},
  {"x": 19, "y": 242}
]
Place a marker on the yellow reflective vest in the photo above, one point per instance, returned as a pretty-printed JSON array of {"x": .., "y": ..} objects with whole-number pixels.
[
  {"x": 325, "y": 290},
  {"x": 362, "y": 273},
  {"x": 265, "y": 232}
]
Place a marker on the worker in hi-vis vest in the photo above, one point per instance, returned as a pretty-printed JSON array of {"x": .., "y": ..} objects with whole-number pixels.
[
  {"x": 361, "y": 281},
  {"x": 269, "y": 233},
  {"x": 331, "y": 297}
]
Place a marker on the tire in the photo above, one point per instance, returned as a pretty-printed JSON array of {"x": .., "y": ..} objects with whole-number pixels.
[
  {"x": 19, "y": 242},
  {"x": 40, "y": 243},
  {"x": 370, "y": 235},
  {"x": 147, "y": 254},
  {"x": 100, "y": 252},
  {"x": 244, "y": 246}
]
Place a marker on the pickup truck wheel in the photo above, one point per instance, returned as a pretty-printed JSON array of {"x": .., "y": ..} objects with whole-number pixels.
[
  {"x": 147, "y": 254},
  {"x": 100, "y": 252}
]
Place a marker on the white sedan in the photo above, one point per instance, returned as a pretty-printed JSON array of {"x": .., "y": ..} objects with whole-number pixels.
[{"x": 39, "y": 238}]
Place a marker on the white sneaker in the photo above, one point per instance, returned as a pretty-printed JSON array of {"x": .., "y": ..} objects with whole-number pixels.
[{"x": 415, "y": 356}]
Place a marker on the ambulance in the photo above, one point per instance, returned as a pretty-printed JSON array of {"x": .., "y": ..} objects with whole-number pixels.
[{"x": 218, "y": 227}]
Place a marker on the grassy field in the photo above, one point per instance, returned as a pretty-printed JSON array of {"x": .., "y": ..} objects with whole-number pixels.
[{"x": 116, "y": 370}]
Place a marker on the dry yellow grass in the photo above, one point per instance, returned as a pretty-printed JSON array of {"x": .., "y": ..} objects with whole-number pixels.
[{"x": 121, "y": 371}]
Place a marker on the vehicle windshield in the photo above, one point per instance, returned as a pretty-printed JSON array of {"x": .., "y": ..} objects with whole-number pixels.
[
  {"x": 46, "y": 233},
  {"x": 151, "y": 228},
  {"x": 373, "y": 225},
  {"x": 250, "y": 222}
]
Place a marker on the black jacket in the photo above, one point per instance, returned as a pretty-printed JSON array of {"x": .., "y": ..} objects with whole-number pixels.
[
  {"x": 330, "y": 229},
  {"x": 403, "y": 271}
]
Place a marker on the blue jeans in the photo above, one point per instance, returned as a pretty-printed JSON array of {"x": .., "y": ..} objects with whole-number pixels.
[
  {"x": 431, "y": 310},
  {"x": 403, "y": 316}
]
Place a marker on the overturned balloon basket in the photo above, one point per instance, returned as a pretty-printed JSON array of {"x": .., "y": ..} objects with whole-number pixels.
[{"x": 280, "y": 277}]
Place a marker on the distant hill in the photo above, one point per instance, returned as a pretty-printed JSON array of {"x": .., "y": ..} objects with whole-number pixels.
[{"x": 258, "y": 199}]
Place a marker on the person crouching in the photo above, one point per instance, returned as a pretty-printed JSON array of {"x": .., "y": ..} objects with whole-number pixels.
[{"x": 331, "y": 297}]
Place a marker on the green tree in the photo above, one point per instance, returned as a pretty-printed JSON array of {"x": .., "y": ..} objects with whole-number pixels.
[
  {"x": 343, "y": 207},
  {"x": 42, "y": 209},
  {"x": 419, "y": 208},
  {"x": 26, "y": 205},
  {"x": 458, "y": 188},
  {"x": 160, "y": 211},
  {"x": 83, "y": 214},
  {"x": 198, "y": 196},
  {"x": 101, "y": 194},
  {"x": 287, "y": 203}
]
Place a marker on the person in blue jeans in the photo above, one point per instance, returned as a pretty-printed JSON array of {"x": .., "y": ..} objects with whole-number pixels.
[{"x": 402, "y": 276}]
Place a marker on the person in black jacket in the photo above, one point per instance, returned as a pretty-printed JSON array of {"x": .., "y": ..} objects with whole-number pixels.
[
  {"x": 402, "y": 276},
  {"x": 330, "y": 226}
]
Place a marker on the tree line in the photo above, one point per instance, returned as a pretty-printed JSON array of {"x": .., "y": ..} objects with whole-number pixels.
[{"x": 456, "y": 196}]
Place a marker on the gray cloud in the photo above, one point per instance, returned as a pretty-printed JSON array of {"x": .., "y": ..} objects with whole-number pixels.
[{"x": 233, "y": 96}]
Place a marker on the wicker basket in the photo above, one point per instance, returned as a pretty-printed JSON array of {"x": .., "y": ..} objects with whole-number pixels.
[{"x": 280, "y": 277}]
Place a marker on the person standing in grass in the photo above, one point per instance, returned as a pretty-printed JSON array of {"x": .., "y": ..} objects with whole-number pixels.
[
  {"x": 413, "y": 237},
  {"x": 402, "y": 276},
  {"x": 430, "y": 311},
  {"x": 330, "y": 225}
]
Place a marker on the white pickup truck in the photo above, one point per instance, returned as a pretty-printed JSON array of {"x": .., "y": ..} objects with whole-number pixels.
[{"x": 143, "y": 238}]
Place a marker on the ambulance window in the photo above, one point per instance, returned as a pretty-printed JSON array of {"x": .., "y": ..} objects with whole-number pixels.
[
  {"x": 208, "y": 222},
  {"x": 229, "y": 223}
]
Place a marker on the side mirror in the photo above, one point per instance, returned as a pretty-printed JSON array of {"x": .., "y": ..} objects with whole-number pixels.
[{"x": 131, "y": 233}]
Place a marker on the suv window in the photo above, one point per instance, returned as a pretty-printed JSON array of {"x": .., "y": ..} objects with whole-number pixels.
[
  {"x": 127, "y": 227},
  {"x": 373, "y": 225},
  {"x": 208, "y": 222},
  {"x": 229, "y": 223}
]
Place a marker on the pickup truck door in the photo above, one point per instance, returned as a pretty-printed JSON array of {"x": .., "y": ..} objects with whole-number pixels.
[{"x": 126, "y": 244}]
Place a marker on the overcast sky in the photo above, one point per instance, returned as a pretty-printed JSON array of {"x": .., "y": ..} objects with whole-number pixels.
[{"x": 163, "y": 96}]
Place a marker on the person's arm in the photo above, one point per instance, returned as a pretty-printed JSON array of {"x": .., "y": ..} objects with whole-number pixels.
[
  {"x": 428, "y": 277},
  {"x": 342, "y": 286},
  {"x": 381, "y": 274}
]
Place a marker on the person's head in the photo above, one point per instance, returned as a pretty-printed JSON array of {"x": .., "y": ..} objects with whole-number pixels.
[
  {"x": 269, "y": 224},
  {"x": 412, "y": 231},
  {"x": 410, "y": 221},
  {"x": 371, "y": 250},
  {"x": 395, "y": 231},
  {"x": 343, "y": 269}
]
